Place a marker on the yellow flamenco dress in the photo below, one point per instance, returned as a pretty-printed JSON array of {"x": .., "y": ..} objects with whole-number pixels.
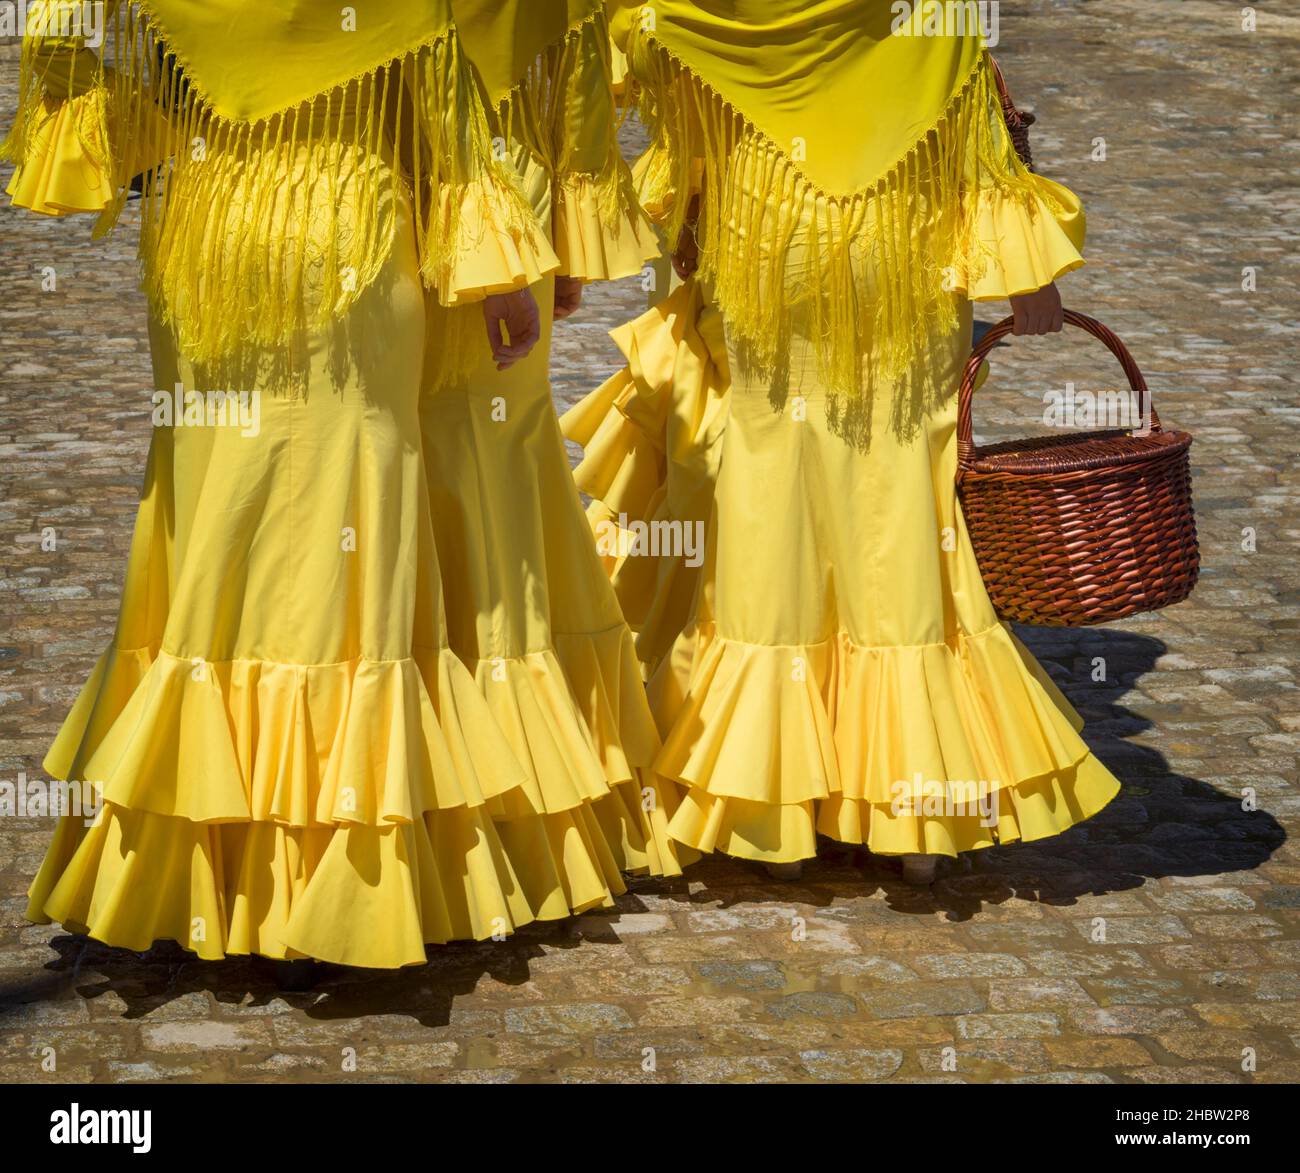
[
  {"x": 530, "y": 610},
  {"x": 839, "y": 669},
  {"x": 292, "y": 757}
]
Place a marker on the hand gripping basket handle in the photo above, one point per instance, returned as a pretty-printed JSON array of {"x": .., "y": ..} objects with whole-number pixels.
[{"x": 966, "y": 446}]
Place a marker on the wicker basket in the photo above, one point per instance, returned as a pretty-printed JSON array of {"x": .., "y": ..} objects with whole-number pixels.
[{"x": 1078, "y": 529}]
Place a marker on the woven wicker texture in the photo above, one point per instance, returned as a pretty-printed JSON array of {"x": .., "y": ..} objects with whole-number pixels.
[{"x": 1080, "y": 529}]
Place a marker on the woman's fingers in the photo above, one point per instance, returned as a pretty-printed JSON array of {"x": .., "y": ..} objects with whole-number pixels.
[
  {"x": 492, "y": 320},
  {"x": 525, "y": 322},
  {"x": 1039, "y": 312},
  {"x": 513, "y": 325},
  {"x": 1019, "y": 316}
]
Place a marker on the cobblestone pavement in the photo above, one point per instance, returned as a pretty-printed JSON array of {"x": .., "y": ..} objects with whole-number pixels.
[{"x": 1159, "y": 942}]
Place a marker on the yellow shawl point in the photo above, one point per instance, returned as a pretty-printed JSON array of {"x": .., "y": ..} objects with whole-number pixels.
[{"x": 835, "y": 150}]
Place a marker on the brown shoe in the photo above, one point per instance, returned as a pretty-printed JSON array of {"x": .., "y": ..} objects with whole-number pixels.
[
  {"x": 785, "y": 871},
  {"x": 919, "y": 869}
]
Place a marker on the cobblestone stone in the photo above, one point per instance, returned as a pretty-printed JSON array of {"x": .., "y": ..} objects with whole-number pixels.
[{"x": 851, "y": 1065}]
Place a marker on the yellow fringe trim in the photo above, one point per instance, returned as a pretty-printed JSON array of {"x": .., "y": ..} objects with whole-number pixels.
[
  {"x": 861, "y": 275},
  {"x": 254, "y": 233},
  {"x": 538, "y": 104}
]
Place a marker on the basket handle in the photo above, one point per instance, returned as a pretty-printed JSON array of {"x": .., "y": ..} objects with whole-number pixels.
[
  {"x": 965, "y": 444},
  {"x": 1018, "y": 121}
]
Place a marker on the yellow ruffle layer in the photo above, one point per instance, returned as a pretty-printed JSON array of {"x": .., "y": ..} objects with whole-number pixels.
[
  {"x": 370, "y": 742},
  {"x": 885, "y": 746},
  {"x": 635, "y": 819},
  {"x": 576, "y": 721},
  {"x": 652, "y": 441},
  {"x": 1036, "y": 808},
  {"x": 1023, "y": 245},
  {"x": 354, "y": 895},
  {"x": 622, "y": 467},
  {"x": 60, "y": 174},
  {"x": 354, "y": 812},
  {"x": 497, "y": 249},
  {"x": 590, "y": 243}
]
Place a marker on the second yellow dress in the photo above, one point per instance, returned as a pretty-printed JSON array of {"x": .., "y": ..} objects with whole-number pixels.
[{"x": 834, "y": 667}]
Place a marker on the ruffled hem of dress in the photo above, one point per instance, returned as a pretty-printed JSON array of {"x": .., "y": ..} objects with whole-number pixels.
[
  {"x": 635, "y": 819},
  {"x": 1036, "y": 808},
  {"x": 592, "y": 245},
  {"x": 372, "y": 742},
  {"x": 353, "y": 894},
  {"x": 567, "y": 715},
  {"x": 576, "y": 718},
  {"x": 345, "y": 811},
  {"x": 782, "y": 725},
  {"x": 1023, "y": 245}
]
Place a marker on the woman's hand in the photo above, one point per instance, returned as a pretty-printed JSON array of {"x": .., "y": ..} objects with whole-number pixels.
[
  {"x": 1039, "y": 312},
  {"x": 513, "y": 325},
  {"x": 686, "y": 256},
  {"x": 568, "y": 296}
]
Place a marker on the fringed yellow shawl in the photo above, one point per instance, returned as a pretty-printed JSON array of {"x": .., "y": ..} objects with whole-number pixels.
[
  {"x": 276, "y": 137},
  {"x": 834, "y": 147}
]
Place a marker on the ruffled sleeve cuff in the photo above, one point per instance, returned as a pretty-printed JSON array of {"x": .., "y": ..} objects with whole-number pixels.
[
  {"x": 593, "y": 244},
  {"x": 654, "y": 175},
  {"x": 498, "y": 245},
  {"x": 1021, "y": 244},
  {"x": 66, "y": 165}
]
